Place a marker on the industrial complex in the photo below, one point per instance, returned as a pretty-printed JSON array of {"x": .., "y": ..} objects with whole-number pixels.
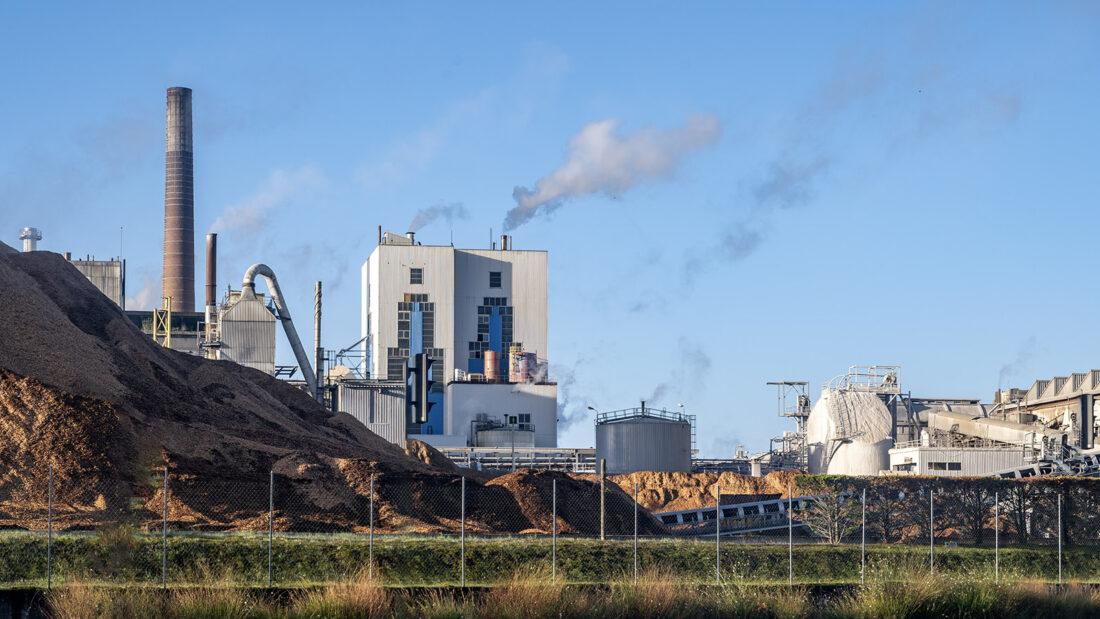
[{"x": 453, "y": 352}]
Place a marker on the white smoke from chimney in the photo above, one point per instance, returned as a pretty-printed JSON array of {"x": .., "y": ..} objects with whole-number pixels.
[
  {"x": 602, "y": 160},
  {"x": 428, "y": 214}
]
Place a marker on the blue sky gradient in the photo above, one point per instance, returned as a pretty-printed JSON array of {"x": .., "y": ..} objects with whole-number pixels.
[{"x": 909, "y": 183}]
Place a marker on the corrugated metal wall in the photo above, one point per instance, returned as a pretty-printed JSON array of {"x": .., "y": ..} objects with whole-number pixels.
[
  {"x": 644, "y": 445},
  {"x": 248, "y": 333},
  {"x": 107, "y": 275},
  {"x": 379, "y": 405}
]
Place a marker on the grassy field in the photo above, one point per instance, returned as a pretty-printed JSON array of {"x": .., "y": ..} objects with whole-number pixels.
[
  {"x": 532, "y": 594},
  {"x": 125, "y": 557}
]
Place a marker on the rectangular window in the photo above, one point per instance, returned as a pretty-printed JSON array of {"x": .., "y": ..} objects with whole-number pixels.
[
  {"x": 494, "y": 279},
  {"x": 416, "y": 276}
]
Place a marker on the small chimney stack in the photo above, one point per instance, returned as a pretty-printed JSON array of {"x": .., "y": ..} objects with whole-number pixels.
[{"x": 412, "y": 236}]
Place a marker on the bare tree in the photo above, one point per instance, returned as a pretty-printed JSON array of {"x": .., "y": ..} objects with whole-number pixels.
[
  {"x": 833, "y": 515},
  {"x": 885, "y": 509},
  {"x": 968, "y": 504},
  {"x": 1019, "y": 499}
]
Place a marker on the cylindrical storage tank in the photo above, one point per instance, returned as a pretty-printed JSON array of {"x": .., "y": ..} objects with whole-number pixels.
[
  {"x": 492, "y": 366},
  {"x": 644, "y": 444},
  {"x": 521, "y": 365}
]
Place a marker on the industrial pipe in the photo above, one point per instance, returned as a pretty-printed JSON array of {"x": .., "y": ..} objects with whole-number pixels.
[
  {"x": 318, "y": 352},
  {"x": 248, "y": 290}
]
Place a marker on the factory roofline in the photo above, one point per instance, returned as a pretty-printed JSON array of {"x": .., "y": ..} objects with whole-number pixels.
[{"x": 409, "y": 240}]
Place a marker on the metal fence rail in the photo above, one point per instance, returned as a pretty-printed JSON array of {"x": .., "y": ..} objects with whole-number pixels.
[{"x": 286, "y": 529}]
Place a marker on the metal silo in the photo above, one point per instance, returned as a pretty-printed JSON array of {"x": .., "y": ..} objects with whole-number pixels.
[
  {"x": 247, "y": 329},
  {"x": 644, "y": 439}
]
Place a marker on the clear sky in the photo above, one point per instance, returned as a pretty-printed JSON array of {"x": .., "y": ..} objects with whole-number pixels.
[{"x": 730, "y": 192}]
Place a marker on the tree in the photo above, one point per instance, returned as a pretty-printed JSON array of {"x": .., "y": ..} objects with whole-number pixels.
[
  {"x": 1019, "y": 500},
  {"x": 885, "y": 509},
  {"x": 833, "y": 515},
  {"x": 968, "y": 503}
]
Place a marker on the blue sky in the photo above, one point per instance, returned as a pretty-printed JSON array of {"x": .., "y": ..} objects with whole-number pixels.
[{"x": 880, "y": 182}]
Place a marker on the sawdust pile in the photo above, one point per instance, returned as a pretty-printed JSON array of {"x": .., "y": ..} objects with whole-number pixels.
[
  {"x": 84, "y": 393},
  {"x": 660, "y": 492}
]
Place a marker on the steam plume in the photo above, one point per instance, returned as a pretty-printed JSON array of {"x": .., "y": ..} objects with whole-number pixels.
[
  {"x": 603, "y": 160},
  {"x": 427, "y": 215}
]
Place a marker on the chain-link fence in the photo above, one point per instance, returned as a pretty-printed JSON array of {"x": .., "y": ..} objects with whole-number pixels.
[{"x": 292, "y": 528}]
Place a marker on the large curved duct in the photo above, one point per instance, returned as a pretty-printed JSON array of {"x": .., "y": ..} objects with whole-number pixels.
[{"x": 249, "y": 291}]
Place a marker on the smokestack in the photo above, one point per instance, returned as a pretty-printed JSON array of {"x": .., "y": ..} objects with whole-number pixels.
[
  {"x": 211, "y": 269},
  {"x": 211, "y": 292},
  {"x": 412, "y": 237},
  {"x": 178, "y": 279}
]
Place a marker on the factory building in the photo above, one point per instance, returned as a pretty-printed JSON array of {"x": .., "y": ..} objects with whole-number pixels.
[
  {"x": 109, "y": 276},
  {"x": 481, "y": 315}
]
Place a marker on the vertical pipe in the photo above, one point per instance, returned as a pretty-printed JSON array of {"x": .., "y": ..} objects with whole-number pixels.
[
  {"x": 49, "y": 531},
  {"x": 178, "y": 276},
  {"x": 635, "y": 529},
  {"x": 164, "y": 534},
  {"x": 997, "y": 537},
  {"x": 790, "y": 536},
  {"x": 270, "y": 522},
  {"x": 863, "y": 539},
  {"x": 603, "y": 478},
  {"x": 370, "y": 540},
  {"x": 462, "y": 539},
  {"x": 717, "y": 534},
  {"x": 554, "y": 531},
  {"x": 211, "y": 289},
  {"x": 318, "y": 352}
]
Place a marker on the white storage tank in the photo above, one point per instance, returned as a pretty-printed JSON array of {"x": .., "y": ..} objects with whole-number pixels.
[
  {"x": 848, "y": 433},
  {"x": 643, "y": 439}
]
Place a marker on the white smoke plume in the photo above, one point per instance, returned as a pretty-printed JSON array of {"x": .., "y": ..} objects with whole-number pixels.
[
  {"x": 252, "y": 214},
  {"x": 603, "y": 160},
  {"x": 449, "y": 212}
]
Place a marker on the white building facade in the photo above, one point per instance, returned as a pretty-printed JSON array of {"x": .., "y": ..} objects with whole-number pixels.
[{"x": 454, "y": 304}]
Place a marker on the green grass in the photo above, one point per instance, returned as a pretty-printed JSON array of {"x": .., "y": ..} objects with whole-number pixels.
[
  {"x": 311, "y": 560},
  {"x": 530, "y": 594}
]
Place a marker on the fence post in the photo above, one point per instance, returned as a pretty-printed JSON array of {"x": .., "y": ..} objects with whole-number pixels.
[
  {"x": 635, "y": 528},
  {"x": 49, "y": 531},
  {"x": 554, "y": 531},
  {"x": 863, "y": 539},
  {"x": 462, "y": 538},
  {"x": 931, "y": 532},
  {"x": 997, "y": 537},
  {"x": 164, "y": 534},
  {"x": 370, "y": 538},
  {"x": 270, "y": 522},
  {"x": 603, "y": 480},
  {"x": 717, "y": 534},
  {"x": 790, "y": 535},
  {"x": 1059, "y": 538}
]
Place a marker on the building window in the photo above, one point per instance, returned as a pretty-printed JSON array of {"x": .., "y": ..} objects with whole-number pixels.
[
  {"x": 945, "y": 466},
  {"x": 494, "y": 279},
  {"x": 416, "y": 276}
]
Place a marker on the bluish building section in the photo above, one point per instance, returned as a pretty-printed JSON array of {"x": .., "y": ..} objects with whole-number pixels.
[{"x": 434, "y": 424}]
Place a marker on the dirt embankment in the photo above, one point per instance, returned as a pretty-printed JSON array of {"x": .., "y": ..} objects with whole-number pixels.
[
  {"x": 85, "y": 394},
  {"x": 662, "y": 492}
]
